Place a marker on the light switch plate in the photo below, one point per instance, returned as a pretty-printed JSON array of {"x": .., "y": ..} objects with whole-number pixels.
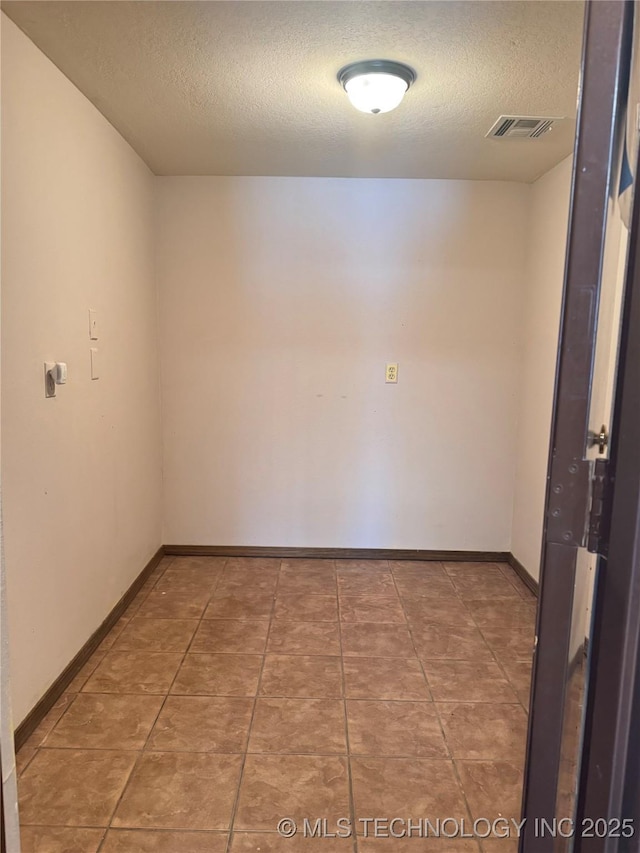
[{"x": 95, "y": 363}]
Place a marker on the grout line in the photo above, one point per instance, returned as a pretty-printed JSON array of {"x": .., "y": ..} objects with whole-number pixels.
[
  {"x": 234, "y": 808},
  {"x": 396, "y": 699},
  {"x": 437, "y": 711},
  {"x": 352, "y": 801},
  {"x": 162, "y": 704},
  {"x": 154, "y": 829},
  {"x": 272, "y": 752}
]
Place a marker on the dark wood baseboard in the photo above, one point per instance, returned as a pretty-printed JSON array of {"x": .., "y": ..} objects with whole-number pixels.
[
  {"x": 336, "y": 553},
  {"x": 523, "y": 574},
  {"x": 356, "y": 554},
  {"x": 39, "y": 711}
]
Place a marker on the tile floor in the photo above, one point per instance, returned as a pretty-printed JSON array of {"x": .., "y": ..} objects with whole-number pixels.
[{"x": 236, "y": 692}]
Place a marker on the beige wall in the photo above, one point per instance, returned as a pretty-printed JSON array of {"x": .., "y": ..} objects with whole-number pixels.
[
  {"x": 82, "y": 472},
  {"x": 546, "y": 246},
  {"x": 281, "y": 301}
]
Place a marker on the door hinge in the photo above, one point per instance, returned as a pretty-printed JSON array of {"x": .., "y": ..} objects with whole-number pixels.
[
  {"x": 568, "y": 510},
  {"x": 598, "y": 531}
]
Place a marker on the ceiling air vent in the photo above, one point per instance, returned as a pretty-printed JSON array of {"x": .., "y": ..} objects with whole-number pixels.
[{"x": 522, "y": 127}]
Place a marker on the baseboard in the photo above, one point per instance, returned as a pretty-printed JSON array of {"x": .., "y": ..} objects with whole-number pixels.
[
  {"x": 523, "y": 574},
  {"x": 336, "y": 553},
  {"x": 40, "y": 710}
]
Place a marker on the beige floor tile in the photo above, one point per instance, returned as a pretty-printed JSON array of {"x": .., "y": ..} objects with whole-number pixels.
[
  {"x": 180, "y": 790},
  {"x": 494, "y": 614},
  {"x": 374, "y": 583},
  {"x": 202, "y": 724},
  {"x": 271, "y": 842},
  {"x": 514, "y": 643},
  {"x": 519, "y": 674},
  {"x": 106, "y": 721},
  {"x": 60, "y": 839},
  {"x": 484, "y": 731},
  {"x": 296, "y": 786},
  {"x": 362, "y": 566},
  {"x": 307, "y": 564},
  {"x": 470, "y": 567},
  {"x": 493, "y": 788},
  {"x": 432, "y": 588},
  {"x": 299, "y": 726},
  {"x": 73, "y": 787},
  {"x": 139, "y": 598},
  {"x": 525, "y": 592},
  {"x": 395, "y": 728},
  {"x": 202, "y": 563},
  {"x": 238, "y": 581},
  {"x": 156, "y": 635},
  {"x": 307, "y": 608},
  {"x": 309, "y": 581},
  {"x": 187, "y": 580},
  {"x": 231, "y": 635},
  {"x": 417, "y": 845},
  {"x": 173, "y": 604},
  {"x": 384, "y": 678},
  {"x": 113, "y": 635},
  {"x": 301, "y": 676},
  {"x": 369, "y": 639},
  {"x": 487, "y": 582},
  {"x": 24, "y": 755},
  {"x": 468, "y": 681},
  {"x": 436, "y": 641},
  {"x": 163, "y": 841},
  {"x": 406, "y": 787},
  {"x": 241, "y": 605},
  {"x": 134, "y": 672},
  {"x": 421, "y": 568},
  {"x": 304, "y": 638},
  {"x": 218, "y": 675},
  {"x": 46, "y": 726},
  {"x": 83, "y": 675},
  {"x": 437, "y": 611},
  {"x": 256, "y": 564},
  {"x": 370, "y": 608}
]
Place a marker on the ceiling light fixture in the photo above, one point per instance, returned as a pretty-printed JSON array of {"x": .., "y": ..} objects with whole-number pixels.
[{"x": 376, "y": 85}]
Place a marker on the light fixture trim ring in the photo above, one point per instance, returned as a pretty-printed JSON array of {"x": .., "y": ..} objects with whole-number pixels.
[{"x": 377, "y": 66}]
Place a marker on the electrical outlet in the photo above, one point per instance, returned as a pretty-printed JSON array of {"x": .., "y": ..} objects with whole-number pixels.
[{"x": 391, "y": 374}]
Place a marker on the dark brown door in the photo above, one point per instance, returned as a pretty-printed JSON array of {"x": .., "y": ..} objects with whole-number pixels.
[{"x": 580, "y": 485}]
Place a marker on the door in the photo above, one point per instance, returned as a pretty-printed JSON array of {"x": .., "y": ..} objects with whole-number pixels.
[{"x": 579, "y": 491}]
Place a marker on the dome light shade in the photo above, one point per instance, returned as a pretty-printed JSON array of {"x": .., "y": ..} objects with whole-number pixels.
[{"x": 376, "y": 85}]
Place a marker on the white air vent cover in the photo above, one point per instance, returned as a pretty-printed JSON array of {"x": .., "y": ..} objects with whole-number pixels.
[{"x": 522, "y": 127}]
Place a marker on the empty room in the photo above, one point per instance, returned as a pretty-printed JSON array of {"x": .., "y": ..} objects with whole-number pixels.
[{"x": 314, "y": 392}]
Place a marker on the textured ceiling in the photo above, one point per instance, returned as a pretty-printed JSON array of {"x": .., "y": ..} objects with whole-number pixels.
[{"x": 249, "y": 88}]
